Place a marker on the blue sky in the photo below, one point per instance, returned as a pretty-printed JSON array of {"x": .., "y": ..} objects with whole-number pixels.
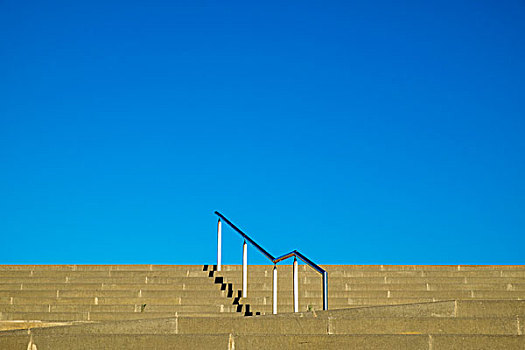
[{"x": 356, "y": 132}]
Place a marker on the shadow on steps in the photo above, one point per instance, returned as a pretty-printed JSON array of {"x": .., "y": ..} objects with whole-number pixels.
[{"x": 225, "y": 286}]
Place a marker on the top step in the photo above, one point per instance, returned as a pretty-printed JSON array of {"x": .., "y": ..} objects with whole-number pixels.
[
  {"x": 336, "y": 270},
  {"x": 101, "y": 267}
]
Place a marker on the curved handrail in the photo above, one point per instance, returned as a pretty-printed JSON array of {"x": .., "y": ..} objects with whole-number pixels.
[
  {"x": 302, "y": 257},
  {"x": 313, "y": 265},
  {"x": 246, "y": 237}
]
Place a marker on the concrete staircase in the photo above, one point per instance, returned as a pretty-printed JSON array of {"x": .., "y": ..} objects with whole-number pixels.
[
  {"x": 352, "y": 286},
  {"x": 183, "y": 307}
]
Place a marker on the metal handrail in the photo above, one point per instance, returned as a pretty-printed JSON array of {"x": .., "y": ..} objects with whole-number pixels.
[
  {"x": 246, "y": 237},
  {"x": 303, "y": 258},
  {"x": 294, "y": 253},
  {"x": 313, "y": 265}
]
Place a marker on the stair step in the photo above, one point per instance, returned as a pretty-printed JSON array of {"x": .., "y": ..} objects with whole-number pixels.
[{"x": 228, "y": 341}]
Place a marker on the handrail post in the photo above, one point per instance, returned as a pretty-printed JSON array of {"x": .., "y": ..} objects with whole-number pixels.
[
  {"x": 325, "y": 290},
  {"x": 244, "y": 270},
  {"x": 274, "y": 301},
  {"x": 295, "y": 285},
  {"x": 219, "y": 244}
]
